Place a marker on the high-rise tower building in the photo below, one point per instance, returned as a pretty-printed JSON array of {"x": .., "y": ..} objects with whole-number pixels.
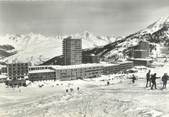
[{"x": 72, "y": 51}]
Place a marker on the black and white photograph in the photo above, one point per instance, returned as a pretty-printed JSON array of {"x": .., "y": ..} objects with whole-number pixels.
[{"x": 84, "y": 58}]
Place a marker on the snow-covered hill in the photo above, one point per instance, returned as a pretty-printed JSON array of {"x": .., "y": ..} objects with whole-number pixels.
[
  {"x": 159, "y": 24},
  {"x": 156, "y": 33},
  {"x": 37, "y": 48}
]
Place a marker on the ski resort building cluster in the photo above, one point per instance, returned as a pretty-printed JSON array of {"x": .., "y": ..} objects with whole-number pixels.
[
  {"x": 74, "y": 72},
  {"x": 74, "y": 67}
]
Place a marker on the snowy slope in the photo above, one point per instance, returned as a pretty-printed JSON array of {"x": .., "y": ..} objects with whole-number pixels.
[
  {"x": 37, "y": 48},
  {"x": 156, "y": 33},
  {"x": 94, "y": 99},
  {"x": 159, "y": 24}
]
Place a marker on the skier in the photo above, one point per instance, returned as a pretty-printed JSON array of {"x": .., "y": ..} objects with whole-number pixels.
[
  {"x": 67, "y": 90},
  {"x": 153, "y": 80},
  {"x": 133, "y": 79},
  {"x": 148, "y": 79},
  {"x": 108, "y": 83},
  {"x": 78, "y": 88},
  {"x": 164, "y": 79}
]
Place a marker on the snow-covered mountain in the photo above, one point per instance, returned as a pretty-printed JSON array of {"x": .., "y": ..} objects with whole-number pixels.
[
  {"x": 37, "y": 48},
  {"x": 152, "y": 31},
  {"x": 156, "y": 26},
  {"x": 156, "y": 33}
]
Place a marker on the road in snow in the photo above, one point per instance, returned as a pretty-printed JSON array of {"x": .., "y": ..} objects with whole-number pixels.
[{"x": 95, "y": 99}]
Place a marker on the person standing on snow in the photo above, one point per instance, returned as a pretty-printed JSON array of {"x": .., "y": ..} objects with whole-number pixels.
[
  {"x": 165, "y": 77},
  {"x": 133, "y": 79},
  {"x": 148, "y": 79},
  {"x": 153, "y": 80}
]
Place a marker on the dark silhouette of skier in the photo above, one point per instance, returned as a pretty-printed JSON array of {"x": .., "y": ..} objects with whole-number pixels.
[
  {"x": 133, "y": 78},
  {"x": 165, "y": 77},
  {"x": 108, "y": 82},
  {"x": 148, "y": 78},
  {"x": 153, "y": 80},
  {"x": 67, "y": 90},
  {"x": 78, "y": 88}
]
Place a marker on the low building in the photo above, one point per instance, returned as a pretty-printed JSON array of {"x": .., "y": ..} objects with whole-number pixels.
[
  {"x": 13, "y": 83},
  {"x": 117, "y": 67},
  {"x": 141, "y": 62},
  {"x": 73, "y": 72},
  {"x": 82, "y": 71},
  {"x": 45, "y": 74},
  {"x": 111, "y": 69},
  {"x": 125, "y": 65}
]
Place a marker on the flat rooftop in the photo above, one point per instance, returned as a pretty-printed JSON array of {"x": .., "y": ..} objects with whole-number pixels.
[
  {"x": 141, "y": 59},
  {"x": 76, "y": 66},
  {"x": 41, "y": 71},
  {"x": 56, "y": 67}
]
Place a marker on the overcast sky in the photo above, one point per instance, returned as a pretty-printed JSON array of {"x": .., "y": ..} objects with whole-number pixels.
[{"x": 108, "y": 17}]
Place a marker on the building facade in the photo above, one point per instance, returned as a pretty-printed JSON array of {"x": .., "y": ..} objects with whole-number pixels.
[
  {"x": 72, "y": 51},
  {"x": 13, "y": 83},
  {"x": 125, "y": 65},
  {"x": 115, "y": 68},
  {"x": 142, "y": 50},
  {"x": 111, "y": 69},
  {"x": 141, "y": 54},
  {"x": 4, "y": 70},
  {"x": 17, "y": 70},
  {"x": 141, "y": 61},
  {"x": 90, "y": 58},
  {"x": 39, "y": 75},
  {"x": 143, "y": 45},
  {"x": 42, "y": 67},
  {"x": 74, "y": 72},
  {"x": 82, "y": 71}
]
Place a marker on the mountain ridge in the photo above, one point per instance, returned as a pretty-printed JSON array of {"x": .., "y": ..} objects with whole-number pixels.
[{"x": 37, "y": 48}]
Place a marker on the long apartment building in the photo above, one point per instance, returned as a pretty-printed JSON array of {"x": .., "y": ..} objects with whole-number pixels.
[
  {"x": 72, "y": 51},
  {"x": 82, "y": 71},
  {"x": 70, "y": 72},
  {"x": 44, "y": 74},
  {"x": 117, "y": 67},
  {"x": 73, "y": 72}
]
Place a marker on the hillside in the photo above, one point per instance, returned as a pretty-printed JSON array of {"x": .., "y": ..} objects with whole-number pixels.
[
  {"x": 36, "y": 48},
  {"x": 156, "y": 33}
]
